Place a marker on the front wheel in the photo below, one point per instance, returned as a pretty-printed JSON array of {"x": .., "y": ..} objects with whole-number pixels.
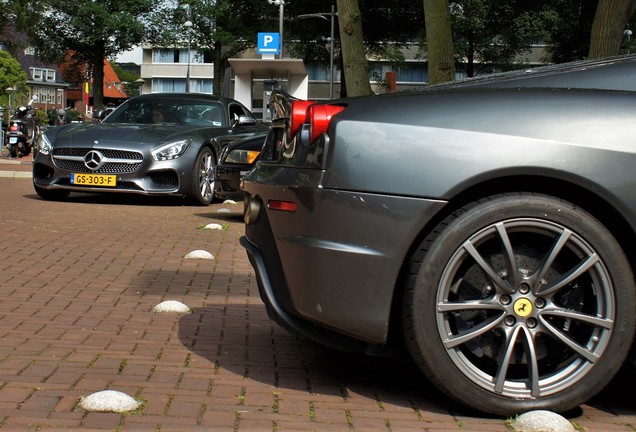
[
  {"x": 520, "y": 302},
  {"x": 203, "y": 183}
]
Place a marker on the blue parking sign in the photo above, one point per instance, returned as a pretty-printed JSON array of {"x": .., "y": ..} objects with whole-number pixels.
[{"x": 268, "y": 43}]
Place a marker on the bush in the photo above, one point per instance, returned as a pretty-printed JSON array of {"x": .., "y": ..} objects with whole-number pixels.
[
  {"x": 71, "y": 116},
  {"x": 41, "y": 117}
]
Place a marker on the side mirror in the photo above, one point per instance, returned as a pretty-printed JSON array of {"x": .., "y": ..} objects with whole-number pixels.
[
  {"x": 245, "y": 120},
  {"x": 100, "y": 115}
]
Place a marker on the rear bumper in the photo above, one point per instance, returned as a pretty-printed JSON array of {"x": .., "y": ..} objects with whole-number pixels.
[
  {"x": 294, "y": 324},
  {"x": 331, "y": 266}
]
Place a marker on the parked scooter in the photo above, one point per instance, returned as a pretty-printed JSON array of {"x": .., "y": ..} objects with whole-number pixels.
[{"x": 22, "y": 130}]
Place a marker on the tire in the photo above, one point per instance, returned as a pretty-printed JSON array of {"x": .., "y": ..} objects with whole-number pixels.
[
  {"x": 52, "y": 194},
  {"x": 13, "y": 150},
  {"x": 477, "y": 287},
  {"x": 203, "y": 183}
]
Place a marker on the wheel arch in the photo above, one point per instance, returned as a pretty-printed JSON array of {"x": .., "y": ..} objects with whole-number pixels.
[
  {"x": 212, "y": 145},
  {"x": 593, "y": 203}
]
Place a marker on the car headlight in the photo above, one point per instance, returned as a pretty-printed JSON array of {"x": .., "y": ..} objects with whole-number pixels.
[
  {"x": 44, "y": 145},
  {"x": 242, "y": 156},
  {"x": 171, "y": 150}
]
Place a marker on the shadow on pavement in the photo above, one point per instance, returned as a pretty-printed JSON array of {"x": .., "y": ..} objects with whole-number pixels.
[{"x": 265, "y": 352}]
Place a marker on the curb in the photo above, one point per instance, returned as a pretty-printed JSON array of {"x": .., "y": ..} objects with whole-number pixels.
[{"x": 15, "y": 173}]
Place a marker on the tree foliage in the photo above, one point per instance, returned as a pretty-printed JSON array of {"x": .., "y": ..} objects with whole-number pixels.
[
  {"x": 91, "y": 30},
  {"x": 568, "y": 29},
  {"x": 395, "y": 22},
  {"x": 496, "y": 34},
  {"x": 128, "y": 78},
  {"x": 11, "y": 75},
  {"x": 483, "y": 31}
]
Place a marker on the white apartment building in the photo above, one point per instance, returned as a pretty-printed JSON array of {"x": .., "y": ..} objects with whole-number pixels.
[{"x": 166, "y": 69}]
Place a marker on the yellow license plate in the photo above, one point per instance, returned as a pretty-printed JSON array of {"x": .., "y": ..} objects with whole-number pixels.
[{"x": 94, "y": 180}]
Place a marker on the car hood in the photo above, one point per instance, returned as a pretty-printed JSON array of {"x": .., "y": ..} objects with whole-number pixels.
[{"x": 121, "y": 134}]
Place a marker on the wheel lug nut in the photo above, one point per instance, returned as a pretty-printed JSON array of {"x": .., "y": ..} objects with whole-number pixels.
[
  {"x": 540, "y": 303},
  {"x": 505, "y": 299},
  {"x": 531, "y": 323},
  {"x": 509, "y": 320},
  {"x": 524, "y": 288}
]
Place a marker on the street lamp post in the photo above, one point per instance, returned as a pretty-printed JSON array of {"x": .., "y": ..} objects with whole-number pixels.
[
  {"x": 323, "y": 15},
  {"x": 188, "y": 26},
  {"x": 10, "y": 91},
  {"x": 281, "y": 13},
  {"x": 139, "y": 84}
]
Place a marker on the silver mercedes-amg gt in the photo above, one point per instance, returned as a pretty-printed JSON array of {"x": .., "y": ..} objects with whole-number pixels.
[{"x": 157, "y": 144}]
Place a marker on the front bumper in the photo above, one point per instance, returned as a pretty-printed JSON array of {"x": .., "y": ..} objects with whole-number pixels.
[{"x": 137, "y": 176}]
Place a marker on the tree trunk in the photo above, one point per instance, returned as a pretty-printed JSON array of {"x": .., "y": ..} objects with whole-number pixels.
[
  {"x": 98, "y": 77},
  {"x": 356, "y": 69},
  {"x": 439, "y": 41},
  {"x": 609, "y": 24},
  {"x": 219, "y": 68}
]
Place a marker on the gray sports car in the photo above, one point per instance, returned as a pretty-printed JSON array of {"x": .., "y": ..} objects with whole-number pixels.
[
  {"x": 486, "y": 228},
  {"x": 155, "y": 144}
]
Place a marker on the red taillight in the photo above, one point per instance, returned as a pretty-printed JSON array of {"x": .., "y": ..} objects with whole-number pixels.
[
  {"x": 319, "y": 117},
  {"x": 282, "y": 205},
  {"x": 13, "y": 128},
  {"x": 298, "y": 116}
]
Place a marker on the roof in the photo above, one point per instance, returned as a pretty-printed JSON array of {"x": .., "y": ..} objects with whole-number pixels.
[
  {"x": 267, "y": 68},
  {"x": 111, "y": 90}
]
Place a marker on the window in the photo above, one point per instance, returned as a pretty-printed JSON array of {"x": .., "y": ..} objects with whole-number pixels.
[
  {"x": 29, "y": 51},
  {"x": 50, "y": 75},
  {"x": 162, "y": 56},
  {"x": 197, "y": 57},
  {"x": 178, "y": 85},
  {"x": 413, "y": 72},
  {"x": 177, "y": 56},
  {"x": 201, "y": 86},
  {"x": 168, "y": 85},
  {"x": 406, "y": 72},
  {"x": 320, "y": 72},
  {"x": 181, "y": 56},
  {"x": 37, "y": 74}
]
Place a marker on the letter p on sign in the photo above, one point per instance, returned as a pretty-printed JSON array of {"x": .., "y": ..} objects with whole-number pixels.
[{"x": 268, "y": 43}]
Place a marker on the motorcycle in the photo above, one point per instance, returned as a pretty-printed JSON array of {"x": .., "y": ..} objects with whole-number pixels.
[{"x": 22, "y": 130}]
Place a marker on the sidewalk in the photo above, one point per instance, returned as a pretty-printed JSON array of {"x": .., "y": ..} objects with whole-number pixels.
[
  {"x": 78, "y": 288},
  {"x": 20, "y": 167}
]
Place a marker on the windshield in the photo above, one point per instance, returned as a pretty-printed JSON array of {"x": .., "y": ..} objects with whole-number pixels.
[{"x": 183, "y": 112}]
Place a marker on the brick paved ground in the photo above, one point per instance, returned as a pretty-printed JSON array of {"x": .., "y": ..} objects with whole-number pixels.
[{"x": 78, "y": 283}]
